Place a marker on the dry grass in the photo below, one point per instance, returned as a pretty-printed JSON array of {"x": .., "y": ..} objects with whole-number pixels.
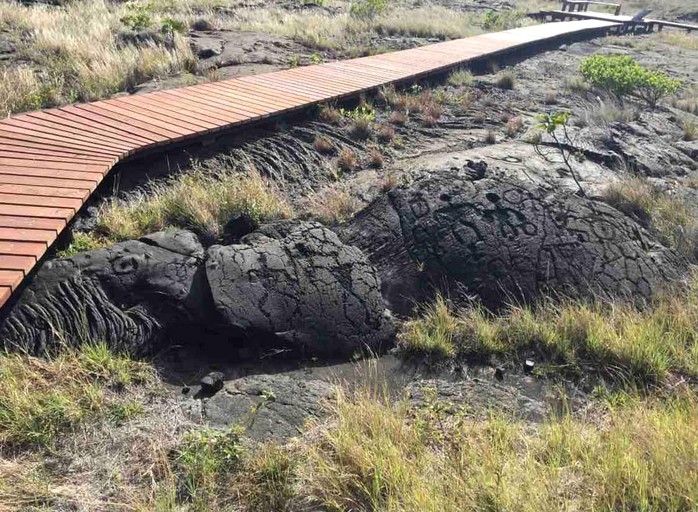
[
  {"x": 375, "y": 158},
  {"x": 332, "y": 205},
  {"x": 690, "y": 129},
  {"x": 361, "y": 128},
  {"x": 202, "y": 200},
  {"x": 604, "y": 113},
  {"x": 514, "y": 126},
  {"x": 323, "y": 145},
  {"x": 505, "y": 80},
  {"x": 43, "y": 399},
  {"x": 398, "y": 118},
  {"x": 75, "y": 55},
  {"x": 612, "y": 340},
  {"x": 386, "y": 134},
  {"x": 678, "y": 39},
  {"x": 461, "y": 78},
  {"x": 347, "y": 160},
  {"x": 330, "y": 114},
  {"x": 670, "y": 217},
  {"x": 377, "y": 455},
  {"x": 343, "y": 31}
]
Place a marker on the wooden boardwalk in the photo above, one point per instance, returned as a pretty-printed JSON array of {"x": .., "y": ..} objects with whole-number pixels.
[{"x": 52, "y": 160}]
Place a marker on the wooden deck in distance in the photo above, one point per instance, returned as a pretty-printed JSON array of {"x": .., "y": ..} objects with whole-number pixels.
[{"x": 52, "y": 160}]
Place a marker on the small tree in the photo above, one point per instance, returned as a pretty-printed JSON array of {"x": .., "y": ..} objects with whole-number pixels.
[
  {"x": 551, "y": 123},
  {"x": 621, "y": 76}
]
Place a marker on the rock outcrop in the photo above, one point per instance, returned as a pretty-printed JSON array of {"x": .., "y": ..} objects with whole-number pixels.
[
  {"x": 292, "y": 282},
  {"x": 502, "y": 240}
]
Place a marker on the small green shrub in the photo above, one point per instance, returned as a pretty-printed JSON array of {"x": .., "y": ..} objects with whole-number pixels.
[
  {"x": 137, "y": 17},
  {"x": 204, "y": 461},
  {"x": 622, "y": 76},
  {"x": 368, "y": 9},
  {"x": 83, "y": 242},
  {"x": 171, "y": 26},
  {"x": 365, "y": 112}
]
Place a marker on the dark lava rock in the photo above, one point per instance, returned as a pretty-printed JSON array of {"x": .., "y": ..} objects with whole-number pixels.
[
  {"x": 212, "y": 383},
  {"x": 502, "y": 239},
  {"x": 300, "y": 282},
  {"x": 293, "y": 284},
  {"x": 268, "y": 406},
  {"x": 123, "y": 294}
]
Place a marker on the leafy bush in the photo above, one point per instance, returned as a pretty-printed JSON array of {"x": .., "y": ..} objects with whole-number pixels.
[
  {"x": 170, "y": 26},
  {"x": 367, "y": 9},
  {"x": 622, "y": 76},
  {"x": 137, "y": 17}
]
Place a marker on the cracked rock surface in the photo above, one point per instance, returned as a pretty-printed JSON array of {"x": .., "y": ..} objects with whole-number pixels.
[
  {"x": 301, "y": 283},
  {"x": 502, "y": 239},
  {"x": 292, "y": 282}
]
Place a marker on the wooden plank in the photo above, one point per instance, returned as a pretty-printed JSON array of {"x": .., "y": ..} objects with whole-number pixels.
[
  {"x": 77, "y": 117},
  {"x": 91, "y": 115},
  {"x": 21, "y": 134},
  {"x": 5, "y": 294},
  {"x": 14, "y": 248},
  {"x": 29, "y": 190},
  {"x": 46, "y": 164},
  {"x": 28, "y": 235},
  {"x": 54, "y": 129},
  {"x": 11, "y": 278},
  {"x": 157, "y": 110},
  {"x": 23, "y": 263},
  {"x": 121, "y": 113},
  {"x": 126, "y": 121},
  {"x": 32, "y": 223},
  {"x": 41, "y": 181},
  {"x": 37, "y": 211},
  {"x": 96, "y": 131},
  {"x": 37, "y": 155},
  {"x": 20, "y": 199}
]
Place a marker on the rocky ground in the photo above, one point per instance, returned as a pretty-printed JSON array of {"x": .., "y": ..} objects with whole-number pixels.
[{"x": 263, "y": 326}]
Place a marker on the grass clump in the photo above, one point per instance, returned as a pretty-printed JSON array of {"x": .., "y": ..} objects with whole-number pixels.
[
  {"x": 323, "y": 145},
  {"x": 690, "y": 129},
  {"x": 204, "y": 464},
  {"x": 43, "y": 399},
  {"x": 332, "y": 205},
  {"x": 347, "y": 160},
  {"x": 83, "y": 242},
  {"x": 461, "y": 78},
  {"x": 672, "y": 219},
  {"x": 202, "y": 200},
  {"x": 615, "y": 341},
  {"x": 505, "y": 81},
  {"x": 378, "y": 455},
  {"x": 514, "y": 126}
]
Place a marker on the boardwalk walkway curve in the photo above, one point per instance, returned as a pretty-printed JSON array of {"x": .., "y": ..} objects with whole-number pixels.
[{"x": 52, "y": 160}]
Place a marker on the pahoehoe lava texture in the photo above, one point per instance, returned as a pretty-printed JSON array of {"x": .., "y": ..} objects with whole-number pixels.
[
  {"x": 301, "y": 283},
  {"x": 502, "y": 239},
  {"x": 291, "y": 281}
]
